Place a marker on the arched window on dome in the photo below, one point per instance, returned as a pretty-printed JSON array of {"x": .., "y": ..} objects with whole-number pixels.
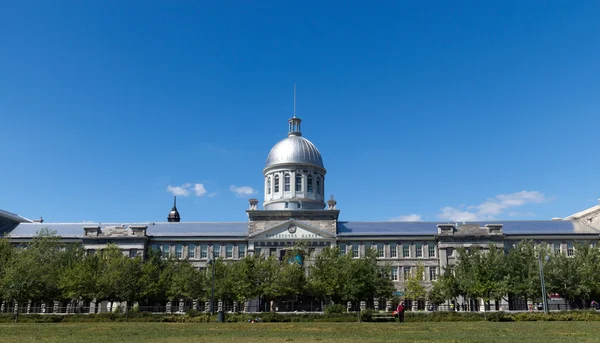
[
  {"x": 298, "y": 182},
  {"x": 309, "y": 184},
  {"x": 319, "y": 185},
  {"x": 269, "y": 185},
  {"x": 286, "y": 183},
  {"x": 276, "y": 184}
]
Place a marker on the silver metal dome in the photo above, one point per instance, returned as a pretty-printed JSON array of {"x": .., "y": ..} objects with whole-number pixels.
[{"x": 294, "y": 149}]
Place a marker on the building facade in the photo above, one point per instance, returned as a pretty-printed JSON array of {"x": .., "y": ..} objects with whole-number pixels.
[{"x": 295, "y": 210}]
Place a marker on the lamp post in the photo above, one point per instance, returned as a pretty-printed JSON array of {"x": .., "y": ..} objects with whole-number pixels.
[
  {"x": 544, "y": 298},
  {"x": 212, "y": 291}
]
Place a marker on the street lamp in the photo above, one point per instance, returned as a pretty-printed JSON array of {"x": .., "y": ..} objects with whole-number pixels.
[
  {"x": 212, "y": 291},
  {"x": 544, "y": 298}
]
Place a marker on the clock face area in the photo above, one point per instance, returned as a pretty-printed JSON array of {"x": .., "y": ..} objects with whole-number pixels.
[{"x": 292, "y": 228}]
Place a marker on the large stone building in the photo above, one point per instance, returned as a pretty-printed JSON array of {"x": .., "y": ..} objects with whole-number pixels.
[{"x": 295, "y": 209}]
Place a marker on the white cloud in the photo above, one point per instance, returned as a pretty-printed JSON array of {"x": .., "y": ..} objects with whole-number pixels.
[
  {"x": 184, "y": 190},
  {"x": 242, "y": 190},
  {"x": 199, "y": 189},
  {"x": 492, "y": 207},
  {"x": 407, "y": 218}
]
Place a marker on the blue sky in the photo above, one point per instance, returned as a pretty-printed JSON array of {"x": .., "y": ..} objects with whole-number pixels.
[{"x": 430, "y": 111}]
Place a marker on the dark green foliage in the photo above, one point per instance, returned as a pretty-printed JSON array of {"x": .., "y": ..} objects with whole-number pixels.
[{"x": 335, "y": 308}]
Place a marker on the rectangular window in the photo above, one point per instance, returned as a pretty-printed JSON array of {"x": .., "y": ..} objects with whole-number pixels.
[
  {"x": 166, "y": 250},
  {"x": 432, "y": 273},
  {"x": 355, "y": 251},
  {"x": 309, "y": 187},
  {"x": 405, "y": 250},
  {"x": 132, "y": 253},
  {"x": 406, "y": 273},
  {"x": 217, "y": 250},
  {"x": 229, "y": 251},
  {"x": 431, "y": 250},
  {"x": 393, "y": 250},
  {"x": 557, "y": 248},
  {"x": 394, "y": 273},
  {"x": 269, "y": 186},
  {"x": 203, "y": 251},
  {"x": 343, "y": 249},
  {"x": 318, "y": 185},
  {"x": 276, "y": 186},
  {"x": 380, "y": 251},
  {"x": 298, "y": 183},
  {"x": 570, "y": 249},
  {"x": 179, "y": 251},
  {"x": 287, "y": 205},
  {"x": 286, "y": 183},
  {"x": 242, "y": 250},
  {"x": 257, "y": 251},
  {"x": 419, "y": 250},
  {"x": 191, "y": 251}
]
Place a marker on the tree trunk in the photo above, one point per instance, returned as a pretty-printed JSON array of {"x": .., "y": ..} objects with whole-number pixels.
[{"x": 17, "y": 315}]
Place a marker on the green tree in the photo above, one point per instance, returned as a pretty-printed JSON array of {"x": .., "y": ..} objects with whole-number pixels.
[
  {"x": 185, "y": 282},
  {"x": 79, "y": 273},
  {"x": 32, "y": 272},
  {"x": 415, "y": 288},
  {"x": 121, "y": 278}
]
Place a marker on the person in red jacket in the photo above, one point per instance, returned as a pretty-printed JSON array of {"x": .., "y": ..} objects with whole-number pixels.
[{"x": 400, "y": 311}]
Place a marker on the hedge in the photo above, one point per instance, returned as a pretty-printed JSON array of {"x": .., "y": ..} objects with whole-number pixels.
[{"x": 365, "y": 316}]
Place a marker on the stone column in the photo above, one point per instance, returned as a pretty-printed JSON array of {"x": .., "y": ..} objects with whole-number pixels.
[
  {"x": 43, "y": 308},
  {"x": 181, "y": 305},
  {"x": 349, "y": 306},
  {"x": 29, "y": 306},
  {"x": 56, "y": 309},
  {"x": 235, "y": 307},
  {"x": 168, "y": 309},
  {"x": 376, "y": 304},
  {"x": 220, "y": 306},
  {"x": 207, "y": 307},
  {"x": 363, "y": 305}
]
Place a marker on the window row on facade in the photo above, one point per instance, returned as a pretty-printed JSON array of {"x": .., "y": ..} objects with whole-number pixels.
[
  {"x": 391, "y": 250},
  {"x": 430, "y": 274},
  {"x": 194, "y": 251}
]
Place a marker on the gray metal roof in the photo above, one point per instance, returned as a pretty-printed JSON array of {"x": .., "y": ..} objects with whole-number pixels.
[
  {"x": 154, "y": 229},
  {"x": 386, "y": 228},
  {"x": 522, "y": 227},
  {"x": 345, "y": 229},
  {"x": 198, "y": 229}
]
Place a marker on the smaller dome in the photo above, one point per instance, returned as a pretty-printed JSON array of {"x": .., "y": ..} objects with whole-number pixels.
[{"x": 174, "y": 214}]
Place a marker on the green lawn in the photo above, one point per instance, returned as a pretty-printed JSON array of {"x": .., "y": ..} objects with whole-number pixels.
[{"x": 304, "y": 332}]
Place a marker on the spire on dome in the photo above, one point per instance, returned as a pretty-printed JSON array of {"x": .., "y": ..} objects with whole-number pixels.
[
  {"x": 174, "y": 214},
  {"x": 294, "y": 129}
]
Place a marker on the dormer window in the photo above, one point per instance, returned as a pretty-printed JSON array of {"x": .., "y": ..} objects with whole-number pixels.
[
  {"x": 309, "y": 185},
  {"x": 276, "y": 184},
  {"x": 286, "y": 183}
]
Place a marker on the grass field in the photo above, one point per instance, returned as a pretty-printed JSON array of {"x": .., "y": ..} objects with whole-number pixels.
[{"x": 304, "y": 332}]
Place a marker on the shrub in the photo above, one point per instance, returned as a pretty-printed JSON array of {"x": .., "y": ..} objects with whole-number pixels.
[{"x": 335, "y": 309}]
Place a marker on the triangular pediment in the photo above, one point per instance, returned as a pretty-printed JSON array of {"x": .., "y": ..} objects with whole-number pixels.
[{"x": 292, "y": 229}]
